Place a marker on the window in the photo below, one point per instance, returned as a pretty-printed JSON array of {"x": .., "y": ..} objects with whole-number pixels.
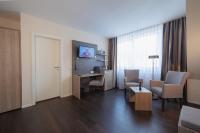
[{"x": 133, "y": 52}]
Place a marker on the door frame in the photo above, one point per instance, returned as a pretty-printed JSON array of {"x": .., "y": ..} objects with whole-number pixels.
[{"x": 34, "y": 89}]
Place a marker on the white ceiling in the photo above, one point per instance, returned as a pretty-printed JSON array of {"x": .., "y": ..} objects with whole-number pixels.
[{"x": 104, "y": 17}]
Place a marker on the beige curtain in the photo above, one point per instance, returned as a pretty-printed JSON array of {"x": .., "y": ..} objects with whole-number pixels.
[
  {"x": 113, "y": 59},
  {"x": 174, "y": 49},
  {"x": 174, "y": 46}
]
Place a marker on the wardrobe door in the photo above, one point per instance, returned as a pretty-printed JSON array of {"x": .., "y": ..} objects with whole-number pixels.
[{"x": 10, "y": 70}]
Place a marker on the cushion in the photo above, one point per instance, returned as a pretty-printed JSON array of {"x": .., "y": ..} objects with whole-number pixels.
[
  {"x": 174, "y": 77},
  {"x": 96, "y": 83},
  {"x": 131, "y": 84},
  {"x": 131, "y": 75},
  {"x": 157, "y": 90},
  {"x": 190, "y": 118}
]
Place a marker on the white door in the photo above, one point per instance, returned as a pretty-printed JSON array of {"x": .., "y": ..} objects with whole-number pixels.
[{"x": 47, "y": 68}]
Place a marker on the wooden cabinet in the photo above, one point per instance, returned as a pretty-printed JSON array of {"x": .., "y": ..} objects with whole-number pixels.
[
  {"x": 10, "y": 70},
  {"x": 108, "y": 74}
]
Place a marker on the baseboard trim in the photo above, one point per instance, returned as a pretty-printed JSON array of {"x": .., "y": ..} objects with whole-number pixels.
[
  {"x": 27, "y": 105},
  {"x": 66, "y": 95},
  {"x": 193, "y": 105}
]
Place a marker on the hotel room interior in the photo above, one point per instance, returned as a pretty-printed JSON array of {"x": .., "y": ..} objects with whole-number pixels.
[{"x": 99, "y": 66}]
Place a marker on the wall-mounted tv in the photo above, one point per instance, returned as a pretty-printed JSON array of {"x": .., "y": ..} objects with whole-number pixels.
[{"x": 86, "y": 52}]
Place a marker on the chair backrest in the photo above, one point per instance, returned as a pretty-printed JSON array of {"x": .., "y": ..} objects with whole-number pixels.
[
  {"x": 131, "y": 74},
  {"x": 174, "y": 77}
]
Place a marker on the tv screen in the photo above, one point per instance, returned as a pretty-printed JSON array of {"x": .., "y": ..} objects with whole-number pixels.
[{"x": 86, "y": 52}]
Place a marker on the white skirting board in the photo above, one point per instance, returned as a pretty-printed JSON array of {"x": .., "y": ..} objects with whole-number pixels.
[{"x": 29, "y": 105}]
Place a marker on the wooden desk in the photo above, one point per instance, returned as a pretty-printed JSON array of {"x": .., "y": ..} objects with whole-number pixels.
[
  {"x": 76, "y": 83},
  {"x": 142, "y": 99},
  {"x": 91, "y": 75}
]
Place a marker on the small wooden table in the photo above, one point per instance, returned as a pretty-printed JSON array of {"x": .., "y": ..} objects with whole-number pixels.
[{"x": 142, "y": 99}]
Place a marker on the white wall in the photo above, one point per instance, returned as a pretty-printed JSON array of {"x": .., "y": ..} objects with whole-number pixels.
[
  {"x": 30, "y": 25},
  {"x": 193, "y": 50}
]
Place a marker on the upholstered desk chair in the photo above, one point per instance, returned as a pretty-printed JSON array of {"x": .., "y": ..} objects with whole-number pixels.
[
  {"x": 97, "y": 83},
  {"x": 172, "y": 87},
  {"x": 131, "y": 79}
]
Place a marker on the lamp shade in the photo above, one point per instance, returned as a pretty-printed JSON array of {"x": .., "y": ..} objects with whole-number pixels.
[{"x": 153, "y": 56}]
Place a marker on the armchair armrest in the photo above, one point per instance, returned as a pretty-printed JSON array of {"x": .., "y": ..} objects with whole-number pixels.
[
  {"x": 156, "y": 83},
  {"x": 135, "y": 81},
  {"x": 125, "y": 79},
  {"x": 172, "y": 91}
]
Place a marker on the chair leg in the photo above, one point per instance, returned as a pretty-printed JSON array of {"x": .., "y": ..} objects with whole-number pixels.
[
  {"x": 154, "y": 97},
  {"x": 180, "y": 102},
  {"x": 125, "y": 92},
  {"x": 93, "y": 89},
  {"x": 90, "y": 88},
  {"x": 163, "y": 104},
  {"x": 167, "y": 100}
]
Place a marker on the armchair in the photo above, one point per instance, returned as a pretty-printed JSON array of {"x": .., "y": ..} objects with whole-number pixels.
[
  {"x": 131, "y": 79},
  {"x": 172, "y": 87}
]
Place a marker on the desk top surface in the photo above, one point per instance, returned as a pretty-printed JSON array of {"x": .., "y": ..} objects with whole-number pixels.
[
  {"x": 143, "y": 90},
  {"x": 90, "y": 74}
]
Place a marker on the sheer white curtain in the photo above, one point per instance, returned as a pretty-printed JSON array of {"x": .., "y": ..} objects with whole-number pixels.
[{"x": 133, "y": 50}]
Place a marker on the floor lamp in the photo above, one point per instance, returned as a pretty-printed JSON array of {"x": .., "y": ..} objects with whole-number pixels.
[{"x": 153, "y": 57}]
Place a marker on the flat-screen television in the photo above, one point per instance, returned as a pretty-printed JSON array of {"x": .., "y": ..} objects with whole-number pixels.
[{"x": 86, "y": 52}]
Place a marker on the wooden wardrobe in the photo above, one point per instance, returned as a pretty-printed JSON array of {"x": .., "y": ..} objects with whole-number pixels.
[{"x": 10, "y": 69}]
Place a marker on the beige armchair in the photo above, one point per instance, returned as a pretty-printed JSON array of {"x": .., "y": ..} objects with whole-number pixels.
[
  {"x": 172, "y": 87},
  {"x": 131, "y": 79}
]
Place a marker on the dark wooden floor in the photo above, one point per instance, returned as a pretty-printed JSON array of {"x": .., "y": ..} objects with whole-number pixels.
[{"x": 96, "y": 113}]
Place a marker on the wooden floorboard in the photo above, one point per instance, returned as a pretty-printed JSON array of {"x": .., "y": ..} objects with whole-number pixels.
[{"x": 96, "y": 113}]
